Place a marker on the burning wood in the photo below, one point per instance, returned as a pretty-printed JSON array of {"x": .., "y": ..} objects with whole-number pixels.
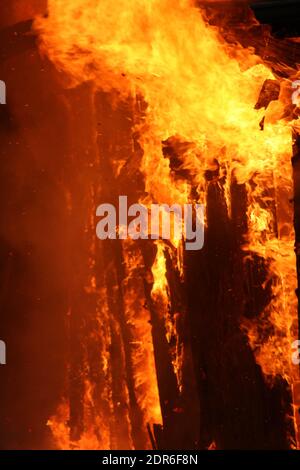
[
  {"x": 173, "y": 348},
  {"x": 215, "y": 95}
]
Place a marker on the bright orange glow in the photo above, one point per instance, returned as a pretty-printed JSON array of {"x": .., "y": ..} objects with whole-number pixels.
[{"x": 202, "y": 92}]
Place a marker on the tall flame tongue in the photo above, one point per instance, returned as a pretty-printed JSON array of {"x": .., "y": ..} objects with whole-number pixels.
[{"x": 201, "y": 95}]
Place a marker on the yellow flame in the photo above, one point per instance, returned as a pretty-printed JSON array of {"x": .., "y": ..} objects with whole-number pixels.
[{"x": 201, "y": 91}]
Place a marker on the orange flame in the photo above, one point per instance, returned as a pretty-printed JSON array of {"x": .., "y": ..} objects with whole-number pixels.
[{"x": 201, "y": 91}]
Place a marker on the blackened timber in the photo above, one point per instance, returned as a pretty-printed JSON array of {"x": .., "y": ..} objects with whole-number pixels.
[
  {"x": 238, "y": 410},
  {"x": 170, "y": 436},
  {"x": 121, "y": 438},
  {"x": 113, "y": 133},
  {"x": 189, "y": 407}
]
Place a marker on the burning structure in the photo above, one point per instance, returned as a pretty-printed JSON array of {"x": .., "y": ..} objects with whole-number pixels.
[{"x": 168, "y": 103}]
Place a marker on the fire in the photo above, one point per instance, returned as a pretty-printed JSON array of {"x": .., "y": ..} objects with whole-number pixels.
[
  {"x": 161, "y": 298},
  {"x": 201, "y": 95},
  {"x": 138, "y": 320}
]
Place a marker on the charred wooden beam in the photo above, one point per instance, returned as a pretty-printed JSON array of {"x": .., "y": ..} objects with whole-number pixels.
[
  {"x": 233, "y": 395},
  {"x": 171, "y": 435},
  {"x": 112, "y": 138}
]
